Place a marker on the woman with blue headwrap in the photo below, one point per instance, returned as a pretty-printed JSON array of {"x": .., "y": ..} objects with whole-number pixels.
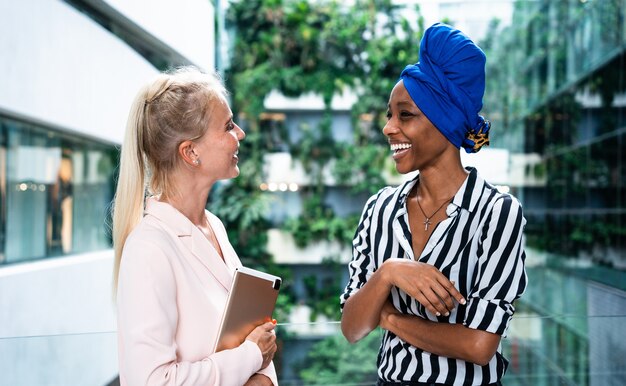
[{"x": 437, "y": 261}]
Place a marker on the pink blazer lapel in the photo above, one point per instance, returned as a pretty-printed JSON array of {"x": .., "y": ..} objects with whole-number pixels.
[
  {"x": 201, "y": 249},
  {"x": 230, "y": 256},
  {"x": 194, "y": 242}
]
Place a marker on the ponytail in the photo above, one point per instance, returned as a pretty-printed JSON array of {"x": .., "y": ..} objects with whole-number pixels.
[
  {"x": 128, "y": 203},
  {"x": 129, "y": 200}
]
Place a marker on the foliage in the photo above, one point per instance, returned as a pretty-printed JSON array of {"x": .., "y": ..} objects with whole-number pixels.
[
  {"x": 315, "y": 149},
  {"x": 360, "y": 167},
  {"x": 335, "y": 361},
  {"x": 318, "y": 222},
  {"x": 323, "y": 47},
  {"x": 322, "y": 294}
]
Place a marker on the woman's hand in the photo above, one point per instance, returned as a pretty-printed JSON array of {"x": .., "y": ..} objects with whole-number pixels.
[
  {"x": 387, "y": 310},
  {"x": 259, "y": 380},
  {"x": 265, "y": 337},
  {"x": 424, "y": 283}
]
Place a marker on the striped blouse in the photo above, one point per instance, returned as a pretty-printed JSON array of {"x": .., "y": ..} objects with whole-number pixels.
[{"x": 479, "y": 247}]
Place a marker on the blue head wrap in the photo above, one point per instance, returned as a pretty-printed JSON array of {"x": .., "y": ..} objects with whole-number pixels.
[{"x": 448, "y": 84}]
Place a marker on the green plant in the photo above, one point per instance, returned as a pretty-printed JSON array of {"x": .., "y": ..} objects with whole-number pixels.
[
  {"x": 322, "y": 294},
  {"x": 360, "y": 167},
  {"x": 335, "y": 361},
  {"x": 319, "y": 223}
]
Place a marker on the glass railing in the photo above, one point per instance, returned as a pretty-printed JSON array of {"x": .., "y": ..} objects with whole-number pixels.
[
  {"x": 542, "y": 350},
  {"x": 75, "y": 359}
]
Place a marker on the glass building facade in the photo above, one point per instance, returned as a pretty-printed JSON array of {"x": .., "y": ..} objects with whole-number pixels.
[
  {"x": 55, "y": 192},
  {"x": 556, "y": 94}
]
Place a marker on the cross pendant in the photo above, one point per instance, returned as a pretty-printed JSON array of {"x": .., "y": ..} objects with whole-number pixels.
[{"x": 426, "y": 224}]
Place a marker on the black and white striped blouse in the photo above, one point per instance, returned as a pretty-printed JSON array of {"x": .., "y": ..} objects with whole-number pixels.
[{"x": 479, "y": 247}]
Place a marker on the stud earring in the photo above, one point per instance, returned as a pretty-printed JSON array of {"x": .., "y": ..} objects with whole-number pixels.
[{"x": 196, "y": 162}]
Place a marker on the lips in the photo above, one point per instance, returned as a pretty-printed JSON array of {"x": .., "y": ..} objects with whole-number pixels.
[
  {"x": 400, "y": 146},
  {"x": 399, "y": 149}
]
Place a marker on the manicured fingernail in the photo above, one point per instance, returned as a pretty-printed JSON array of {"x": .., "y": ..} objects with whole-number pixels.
[
  {"x": 463, "y": 301},
  {"x": 438, "y": 314},
  {"x": 447, "y": 314},
  {"x": 274, "y": 321}
]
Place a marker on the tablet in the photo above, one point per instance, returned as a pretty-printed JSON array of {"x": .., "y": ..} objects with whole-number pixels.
[{"x": 251, "y": 301}]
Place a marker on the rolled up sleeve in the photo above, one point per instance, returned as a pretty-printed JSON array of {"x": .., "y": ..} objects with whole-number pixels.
[{"x": 500, "y": 277}]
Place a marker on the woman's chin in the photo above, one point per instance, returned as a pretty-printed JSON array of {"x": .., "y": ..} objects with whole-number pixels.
[{"x": 404, "y": 169}]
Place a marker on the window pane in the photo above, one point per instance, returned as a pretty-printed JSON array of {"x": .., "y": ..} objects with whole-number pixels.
[
  {"x": 58, "y": 193},
  {"x": 93, "y": 190},
  {"x": 32, "y": 171}
]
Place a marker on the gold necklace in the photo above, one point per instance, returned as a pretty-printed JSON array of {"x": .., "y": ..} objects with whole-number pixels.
[{"x": 427, "y": 218}]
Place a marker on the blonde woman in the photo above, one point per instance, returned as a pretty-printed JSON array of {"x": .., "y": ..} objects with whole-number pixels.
[{"x": 174, "y": 263}]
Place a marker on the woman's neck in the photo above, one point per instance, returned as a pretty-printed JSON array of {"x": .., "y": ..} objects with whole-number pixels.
[
  {"x": 190, "y": 200},
  {"x": 441, "y": 182},
  {"x": 191, "y": 197},
  {"x": 193, "y": 209}
]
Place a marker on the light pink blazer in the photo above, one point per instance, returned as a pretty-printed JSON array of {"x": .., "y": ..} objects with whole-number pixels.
[{"x": 172, "y": 292}]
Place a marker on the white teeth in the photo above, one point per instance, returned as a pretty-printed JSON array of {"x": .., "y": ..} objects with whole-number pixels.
[{"x": 400, "y": 146}]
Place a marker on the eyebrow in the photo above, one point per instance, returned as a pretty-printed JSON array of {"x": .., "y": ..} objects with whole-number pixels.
[{"x": 401, "y": 103}]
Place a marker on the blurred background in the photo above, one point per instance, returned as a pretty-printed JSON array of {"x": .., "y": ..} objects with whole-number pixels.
[{"x": 309, "y": 83}]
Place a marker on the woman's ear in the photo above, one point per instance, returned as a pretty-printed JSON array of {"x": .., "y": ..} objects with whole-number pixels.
[{"x": 187, "y": 151}]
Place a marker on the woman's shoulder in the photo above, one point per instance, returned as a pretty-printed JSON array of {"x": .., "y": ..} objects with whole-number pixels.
[
  {"x": 502, "y": 204},
  {"x": 148, "y": 248},
  {"x": 502, "y": 196},
  {"x": 148, "y": 236},
  {"x": 393, "y": 192},
  {"x": 495, "y": 194},
  {"x": 509, "y": 204},
  {"x": 149, "y": 226},
  {"x": 379, "y": 198}
]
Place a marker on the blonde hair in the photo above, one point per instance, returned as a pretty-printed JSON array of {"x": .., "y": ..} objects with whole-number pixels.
[{"x": 173, "y": 108}]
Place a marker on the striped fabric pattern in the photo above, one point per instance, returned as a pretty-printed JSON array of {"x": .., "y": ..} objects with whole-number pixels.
[{"x": 479, "y": 247}]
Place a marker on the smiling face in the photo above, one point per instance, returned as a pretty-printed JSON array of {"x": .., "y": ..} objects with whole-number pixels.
[
  {"x": 415, "y": 142},
  {"x": 218, "y": 148}
]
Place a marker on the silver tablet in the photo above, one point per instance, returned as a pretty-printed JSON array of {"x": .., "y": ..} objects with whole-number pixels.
[{"x": 251, "y": 301}]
